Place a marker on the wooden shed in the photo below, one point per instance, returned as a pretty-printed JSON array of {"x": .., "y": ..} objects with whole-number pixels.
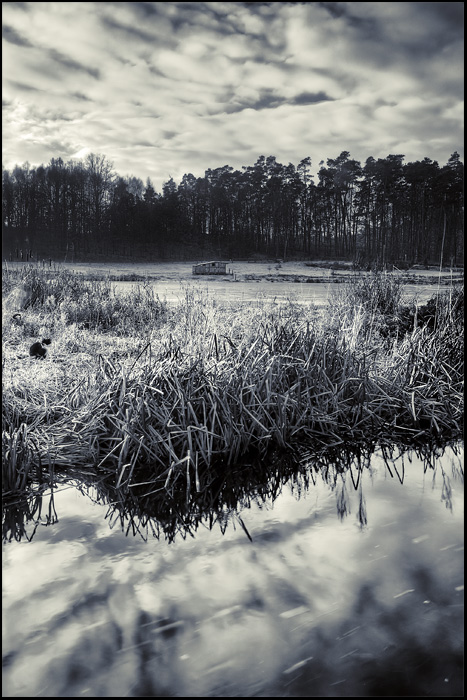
[{"x": 215, "y": 267}]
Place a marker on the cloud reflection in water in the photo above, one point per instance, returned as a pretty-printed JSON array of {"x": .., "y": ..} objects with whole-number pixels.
[{"x": 315, "y": 605}]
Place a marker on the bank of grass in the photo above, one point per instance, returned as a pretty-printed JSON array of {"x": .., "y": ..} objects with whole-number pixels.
[{"x": 150, "y": 394}]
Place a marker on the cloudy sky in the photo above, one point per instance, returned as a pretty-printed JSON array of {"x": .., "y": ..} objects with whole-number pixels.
[{"x": 167, "y": 88}]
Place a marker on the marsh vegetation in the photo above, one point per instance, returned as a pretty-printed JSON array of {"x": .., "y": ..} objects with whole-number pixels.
[{"x": 158, "y": 397}]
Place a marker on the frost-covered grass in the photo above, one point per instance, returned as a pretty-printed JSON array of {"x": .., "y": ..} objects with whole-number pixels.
[{"x": 141, "y": 391}]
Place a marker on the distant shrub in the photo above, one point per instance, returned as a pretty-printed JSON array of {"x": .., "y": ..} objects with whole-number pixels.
[
  {"x": 378, "y": 292},
  {"x": 91, "y": 303},
  {"x": 125, "y": 313}
]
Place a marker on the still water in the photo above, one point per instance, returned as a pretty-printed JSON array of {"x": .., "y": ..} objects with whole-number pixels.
[{"x": 340, "y": 585}]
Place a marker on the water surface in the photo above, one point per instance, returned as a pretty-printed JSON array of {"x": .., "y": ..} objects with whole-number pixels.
[{"x": 344, "y": 590}]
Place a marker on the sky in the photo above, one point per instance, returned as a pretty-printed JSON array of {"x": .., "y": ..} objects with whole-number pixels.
[{"x": 163, "y": 89}]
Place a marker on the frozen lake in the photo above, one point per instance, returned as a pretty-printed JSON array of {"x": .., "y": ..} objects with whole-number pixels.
[
  {"x": 171, "y": 280},
  {"x": 317, "y": 294}
]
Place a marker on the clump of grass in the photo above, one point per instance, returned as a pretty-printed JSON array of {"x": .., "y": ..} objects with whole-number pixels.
[
  {"x": 380, "y": 292},
  {"x": 103, "y": 310},
  {"x": 43, "y": 283},
  {"x": 67, "y": 297}
]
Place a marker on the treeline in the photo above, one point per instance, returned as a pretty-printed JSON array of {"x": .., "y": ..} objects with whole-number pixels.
[{"x": 381, "y": 213}]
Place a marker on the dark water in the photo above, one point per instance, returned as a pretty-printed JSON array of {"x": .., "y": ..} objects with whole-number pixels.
[{"x": 350, "y": 586}]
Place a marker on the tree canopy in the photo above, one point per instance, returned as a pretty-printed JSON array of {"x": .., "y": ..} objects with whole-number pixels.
[{"x": 385, "y": 211}]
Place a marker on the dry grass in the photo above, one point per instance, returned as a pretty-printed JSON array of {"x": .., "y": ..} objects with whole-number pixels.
[{"x": 163, "y": 397}]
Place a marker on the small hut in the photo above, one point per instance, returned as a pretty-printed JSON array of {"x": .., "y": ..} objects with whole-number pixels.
[{"x": 215, "y": 267}]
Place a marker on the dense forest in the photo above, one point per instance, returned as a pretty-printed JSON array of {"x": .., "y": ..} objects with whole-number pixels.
[{"x": 385, "y": 212}]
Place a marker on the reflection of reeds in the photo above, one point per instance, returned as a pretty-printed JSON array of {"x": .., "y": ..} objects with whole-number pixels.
[
  {"x": 152, "y": 509},
  {"x": 25, "y": 509}
]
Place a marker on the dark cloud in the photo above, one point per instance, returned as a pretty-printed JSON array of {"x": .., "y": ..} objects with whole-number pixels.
[
  {"x": 144, "y": 9},
  {"x": 451, "y": 14},
  {"x": 445, "y": 23},
  {"x": 335, "y": 9},
  {"x": 338, "y": 10},
  {"x": 414, "y": 30},
  {"x": 13, "y": 37},
  {"x": 156, "y": 71},
  {"x": 149, "y": 11},
  {"x": 51, "y": 116},
  {"x": 266, "y": 100},
  {"x": 270, "y": 100},
  {"x": 260, "y": 7},
  {"x": 80, "y": 96},
  {"x": 23, "y": 87},
  {"x": 16, "y": 5},
  {"x": 126, "y": 29},
  {"x": 218, "y": 17},
  {"x": 310, "y": 98},
  {"x": 46, "y": 115},
  {"x": 71, "y": 64},
  {"x": 61, "y": 149}
]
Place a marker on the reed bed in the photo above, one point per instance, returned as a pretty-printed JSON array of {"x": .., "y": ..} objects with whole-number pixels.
[{"x": 162, "y": 398}]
